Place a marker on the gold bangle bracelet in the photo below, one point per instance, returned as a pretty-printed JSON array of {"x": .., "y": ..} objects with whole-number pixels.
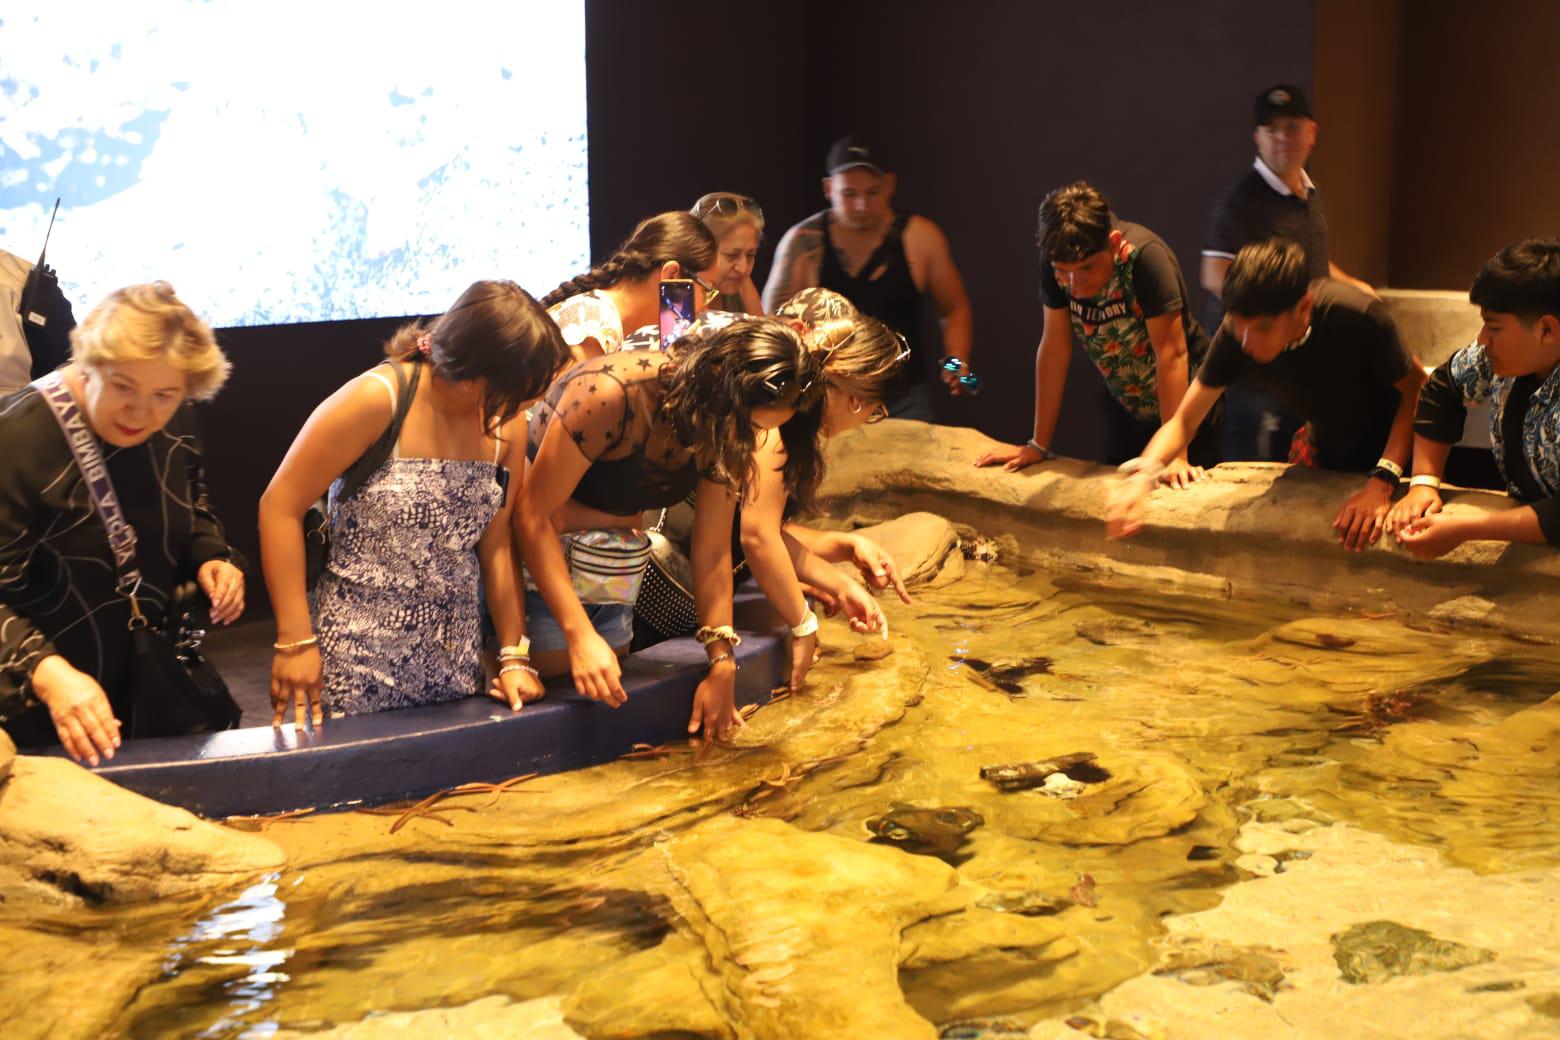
[{"x": 296, "y": 644}]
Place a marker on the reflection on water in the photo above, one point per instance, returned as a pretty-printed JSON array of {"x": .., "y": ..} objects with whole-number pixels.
[
  {"x": 236, "y": 940},
  {"x": 1083, "y": 756}
]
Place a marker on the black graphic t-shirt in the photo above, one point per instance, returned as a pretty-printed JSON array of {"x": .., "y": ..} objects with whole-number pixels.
[{"x": 1340, "y": 379}]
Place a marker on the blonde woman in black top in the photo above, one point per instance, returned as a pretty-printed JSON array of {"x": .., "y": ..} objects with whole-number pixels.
[{"x": 65, "y": 644}]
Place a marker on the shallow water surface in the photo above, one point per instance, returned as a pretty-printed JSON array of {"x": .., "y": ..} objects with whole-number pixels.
[{"x": 1188, "y": 717}]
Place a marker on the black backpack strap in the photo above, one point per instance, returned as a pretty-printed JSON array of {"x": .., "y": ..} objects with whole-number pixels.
[{"x": 359, "y": 472}]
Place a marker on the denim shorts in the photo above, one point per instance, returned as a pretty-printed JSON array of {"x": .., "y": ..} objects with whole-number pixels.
[{"x": 614, "y": 622}]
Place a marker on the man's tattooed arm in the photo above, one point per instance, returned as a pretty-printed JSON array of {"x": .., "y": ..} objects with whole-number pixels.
[{"x": 798, "y": 260}]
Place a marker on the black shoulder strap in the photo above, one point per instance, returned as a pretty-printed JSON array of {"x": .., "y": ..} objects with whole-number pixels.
[{"x": 380, "y": 450}]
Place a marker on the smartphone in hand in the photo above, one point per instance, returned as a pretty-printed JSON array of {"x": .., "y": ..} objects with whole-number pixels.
[{"x": 677, "y": 309}]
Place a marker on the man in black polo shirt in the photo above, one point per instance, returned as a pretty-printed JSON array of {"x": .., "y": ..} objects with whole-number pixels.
[
  {"x": 1276, "y": 198},
  {"x": 1322, "y": 349},
  {"x": 1514, "y": 364}
]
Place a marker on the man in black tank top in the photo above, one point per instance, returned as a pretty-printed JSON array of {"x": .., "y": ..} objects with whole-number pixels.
[{"x": 882, "y": 261}]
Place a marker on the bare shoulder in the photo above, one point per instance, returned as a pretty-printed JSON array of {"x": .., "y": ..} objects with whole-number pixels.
[
  {"x": 923, "y": 236},
  {"x": 368, "y": 397}
]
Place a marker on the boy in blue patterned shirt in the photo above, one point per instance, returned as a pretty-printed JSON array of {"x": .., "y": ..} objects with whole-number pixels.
[{"x": 1513, "y": 363}]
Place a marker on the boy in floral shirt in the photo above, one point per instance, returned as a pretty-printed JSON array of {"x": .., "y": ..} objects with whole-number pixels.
[
  {"x": 1513, "y": 363},
  {"x": 1116, "y": 290}
]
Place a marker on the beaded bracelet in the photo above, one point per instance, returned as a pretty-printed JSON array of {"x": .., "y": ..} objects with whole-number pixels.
[
  {"x": 708, "y": 634},
  {"x": 725, "y": 655},
  {"x": 1040, "y": 449},
  {"x": 519, "y": 668},
  {"x": 296, "y": 644}
]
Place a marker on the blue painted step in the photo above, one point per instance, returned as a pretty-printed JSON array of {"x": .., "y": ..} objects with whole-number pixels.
[{"x": 413, "y": 752}]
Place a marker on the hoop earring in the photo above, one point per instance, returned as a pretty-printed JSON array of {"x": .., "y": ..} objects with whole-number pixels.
[{"x": 855, "y": 408}]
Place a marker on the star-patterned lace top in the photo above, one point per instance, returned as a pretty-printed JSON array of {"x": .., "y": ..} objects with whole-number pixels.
[{"x": 611, "y": 407}]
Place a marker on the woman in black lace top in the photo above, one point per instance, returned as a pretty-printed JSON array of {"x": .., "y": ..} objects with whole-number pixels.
[
  {"x": 64, "y": 641},
  {"x": 638, "y": 430}
]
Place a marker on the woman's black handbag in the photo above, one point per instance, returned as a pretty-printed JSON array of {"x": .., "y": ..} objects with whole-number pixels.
[
  {"x": 174, "y": 690},
  {"x": 316, "y": 522}
]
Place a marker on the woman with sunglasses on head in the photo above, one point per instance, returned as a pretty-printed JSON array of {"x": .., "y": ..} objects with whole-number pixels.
[
  {"x": 638, "y": 430},
  {"x": 395, "y": 619},
  {"x": 622, "y": 292},
  {"x": 861, "y": 361},
  {"x": 737, "y": 223}
]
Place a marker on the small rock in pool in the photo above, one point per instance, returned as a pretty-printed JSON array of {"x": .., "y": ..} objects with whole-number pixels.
[
  {"x": 984, "y": 1029},
  {"x": 1060, "y": 785},
  {"x": 1379, "y": 950},
  {"x": 937, "y": 831},
  {"x": 872, "y": 650},
  {"x": 1016, "y": 776},
  {"x": 1025, "y": 904}
]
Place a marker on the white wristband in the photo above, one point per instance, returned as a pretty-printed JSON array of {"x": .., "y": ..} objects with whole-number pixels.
[
  {"x": 1424, "y": 480},
  {"x": 1390, "y": 466},
  {"x": 807, "y": 626}
]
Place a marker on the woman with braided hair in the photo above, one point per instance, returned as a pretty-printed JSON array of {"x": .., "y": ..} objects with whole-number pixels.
[{"x": 621, "y": 293}]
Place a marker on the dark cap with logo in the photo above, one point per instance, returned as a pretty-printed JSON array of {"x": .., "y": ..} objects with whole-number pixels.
[
  {"x": 1285, "y": 99},
  {"x": 849, "y": 152}
]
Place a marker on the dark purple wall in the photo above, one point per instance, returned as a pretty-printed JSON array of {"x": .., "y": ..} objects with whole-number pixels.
[{"x": 986, "y": 106}]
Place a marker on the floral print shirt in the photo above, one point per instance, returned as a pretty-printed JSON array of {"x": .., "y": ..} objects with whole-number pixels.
[
  {"x": 589, "y": 315},
  {"x": 1112, "y": 328},
  {"x": 1532, "y": 470}
]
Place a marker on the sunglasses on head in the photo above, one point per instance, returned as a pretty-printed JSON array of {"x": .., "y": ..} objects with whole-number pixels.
[
  {"x": 904, "y": 347},
  {"x": 789, "y": 390},
  {"x": 725, "y": 204}
]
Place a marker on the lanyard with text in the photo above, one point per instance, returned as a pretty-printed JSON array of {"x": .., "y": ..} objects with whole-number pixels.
[{"x": 94, "y": 473}]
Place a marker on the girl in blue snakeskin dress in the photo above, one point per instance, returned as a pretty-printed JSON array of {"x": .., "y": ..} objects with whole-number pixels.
[{"x": 394, "y": 619}]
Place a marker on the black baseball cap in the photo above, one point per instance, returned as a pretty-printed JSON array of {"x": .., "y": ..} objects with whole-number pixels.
[
  {"x": 850, "y": 152},
  {"x": 1283, "y": 99}
]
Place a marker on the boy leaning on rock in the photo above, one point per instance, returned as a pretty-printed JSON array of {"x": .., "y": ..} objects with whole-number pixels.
[
  {"x": 1512, "y": 363},
  {"x": 1324, "y": 350}
]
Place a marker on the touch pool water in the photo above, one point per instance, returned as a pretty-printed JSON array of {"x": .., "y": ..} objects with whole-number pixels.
[{"x": 844, "y": 869}]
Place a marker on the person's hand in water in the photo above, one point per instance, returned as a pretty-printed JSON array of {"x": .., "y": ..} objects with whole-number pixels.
[
  {"x": 1128, "y": 497},
  {"x": 876, "y": 565},
  {"x": 715, "y": 702}
]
